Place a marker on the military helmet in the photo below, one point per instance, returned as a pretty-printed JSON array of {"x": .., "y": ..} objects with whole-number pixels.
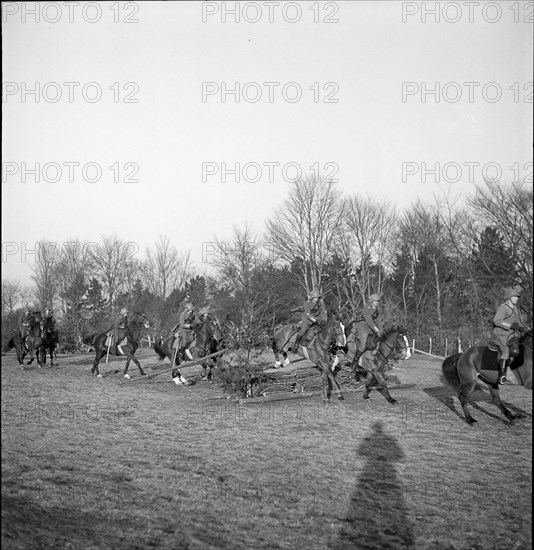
[
  {"x": 204, "y": 311},
  {"x": 124, "y": 311},
  {"x": 315, "y": 294},
  {"x": 511, "y": 292},
  {"x": 189, "y": 305},
  {"x": 374, "y": 298}
]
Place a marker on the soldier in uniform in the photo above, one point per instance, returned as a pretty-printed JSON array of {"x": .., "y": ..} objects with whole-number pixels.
[
  {"x": 506, "y": 322},
  {"x": 24, "y": 325},
  {"x": 371, "y": 322},
  {"x": 188, "y": 322},
  {"x": 121, "y": 326},
  {"x": 314, "y": 314}
]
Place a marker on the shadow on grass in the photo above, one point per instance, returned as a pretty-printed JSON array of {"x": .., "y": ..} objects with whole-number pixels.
[
  {"x": 378, "y": 517},
  {"x": 448, "y": 396}
]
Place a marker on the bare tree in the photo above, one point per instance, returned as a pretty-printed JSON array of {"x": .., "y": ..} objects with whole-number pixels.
[
  {"x": 365, "y": 243},
  {"x": 166, "y": 269},
  {"x": 112, "y": 259},
  {"x": 302, "y": 232},
  {"x": 45, "y": 273},
  {"x": 509, "y": 209},
  {"x": 10, "y": 295}
]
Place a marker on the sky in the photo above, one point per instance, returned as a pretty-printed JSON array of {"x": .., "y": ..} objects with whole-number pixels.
[{"x": 134, "y": 116}]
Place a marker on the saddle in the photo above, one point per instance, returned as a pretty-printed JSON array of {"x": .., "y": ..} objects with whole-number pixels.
[{"x": 110, "y": 340}]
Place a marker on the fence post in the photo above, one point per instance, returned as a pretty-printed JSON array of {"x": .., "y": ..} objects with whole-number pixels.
[
  {"x": 413, "y": 345},
  {"x": 430, "y": 345},
  {"x": 446, "y": 346},
  {"x": 459, "y": 345}
]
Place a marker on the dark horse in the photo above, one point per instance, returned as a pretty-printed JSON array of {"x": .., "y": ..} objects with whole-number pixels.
[
  {"x": 50, "y": 340},
  {"x": 127, "y": 345},
  {"x": 392, "y": 346},
  {"x": 207, "y": 340},
  {"x": 463, "y": 370},
  {"x": 319, "y": 349},
  {"x": 31, "y": 344}
]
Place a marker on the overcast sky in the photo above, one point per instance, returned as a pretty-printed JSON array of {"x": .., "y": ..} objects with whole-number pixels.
[{"x": 139, "y": 104}]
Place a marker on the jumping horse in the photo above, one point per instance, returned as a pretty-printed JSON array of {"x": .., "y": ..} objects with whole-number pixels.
[
  {"x": 207, "y": 340},
  {"x": 319, "y": 348},
  {"x": 127, "y": 344},
  {"x": 392, "y": 346},
  {"x": 480, "y": 363}
]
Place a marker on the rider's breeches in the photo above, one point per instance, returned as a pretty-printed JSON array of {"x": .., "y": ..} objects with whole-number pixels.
[
  {"x": 500, "y": 340},
  {"x": 363, "y": 334}
]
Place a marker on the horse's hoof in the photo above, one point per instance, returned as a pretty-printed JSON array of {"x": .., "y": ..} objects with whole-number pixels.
[
  {"x": 340, "y": 398},
  {"x": 365, "y": 396},
  {"x": 177, "y": 381},
  {"x": 393, "y": 401},
  {"x": 127, "y": 376},
  {"x": 471, "y": 421},
  {"x": 99, "y": 375}
]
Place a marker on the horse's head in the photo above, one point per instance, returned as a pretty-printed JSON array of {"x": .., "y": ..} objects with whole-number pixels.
[
  {"x": 335, "y": 331},
  {"x": 35, "y": 319},
  {"x": 394, "y": 343}
]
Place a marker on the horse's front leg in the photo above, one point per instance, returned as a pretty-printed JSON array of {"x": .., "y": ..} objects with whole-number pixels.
[
  {"x": 382, "y": 387},
  {"x": 134, "y": 359},
  {"x": 95, "y": 370},
  {"x": 494, "y": 391},
  {"x": 326, "y": 388}
]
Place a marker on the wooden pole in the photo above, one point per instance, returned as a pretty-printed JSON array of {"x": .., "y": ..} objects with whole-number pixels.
[
  {"x": 185, "y": 364},
  {"x": 430, "y": 345},
  {"x": 446, "y": 346}
]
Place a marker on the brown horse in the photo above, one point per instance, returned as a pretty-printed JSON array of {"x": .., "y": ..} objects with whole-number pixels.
[
  {"x": 31, "y": 343},
  {"x": 463, "y": 370},
  {"x": 320, "y": 350},
  {"x": 392, "y": 346},
  {"x": 208, "y": 340},
  {"x": 127, "y": 345},
  {"x": 50, "y": 340}
]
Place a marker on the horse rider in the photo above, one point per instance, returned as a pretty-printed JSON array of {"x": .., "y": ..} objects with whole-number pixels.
[
  {"x": 314, "y": 314},
  {"x": 25, "y": 325},
  {"x": 188, "y": 322},
  {"x": 506, "y": 322},
  {"x": 371, "y": 322},
  {"x": 49, "y": 317},
  {"x": 121, "y": 326}
]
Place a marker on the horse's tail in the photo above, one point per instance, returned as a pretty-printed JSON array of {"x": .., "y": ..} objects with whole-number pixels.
[
  {"x": 450, "y": 373},
  {"x": 10, "y": 344},
  {"x": 158, "y": 348}
]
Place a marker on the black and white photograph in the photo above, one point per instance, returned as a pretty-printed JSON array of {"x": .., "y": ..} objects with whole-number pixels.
[{"x": 267, "y": 275}]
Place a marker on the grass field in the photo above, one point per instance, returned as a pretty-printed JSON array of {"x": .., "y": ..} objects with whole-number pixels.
[{"x": 95, "y": 464}]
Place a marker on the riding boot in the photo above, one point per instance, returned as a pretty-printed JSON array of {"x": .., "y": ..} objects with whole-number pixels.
[
  {"x": 356, "y": 359},
  {"x": 297, "y": 341},
  {"x": 503, "y": 379}
]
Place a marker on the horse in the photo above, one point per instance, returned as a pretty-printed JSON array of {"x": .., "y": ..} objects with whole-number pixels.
[
  {"x": 31, "y": 344},
  {"x": 50, "y": 340},
  {"x": 392, "y": 345},
  {"x": 320, "y": 349},
  {"x": 463, "y": 370},
  {"x": 137, "y": 322},
  {"x": 208, "y": 340}
]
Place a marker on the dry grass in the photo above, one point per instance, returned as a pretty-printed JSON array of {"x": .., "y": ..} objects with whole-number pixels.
[{"x": 89, "y": 463}]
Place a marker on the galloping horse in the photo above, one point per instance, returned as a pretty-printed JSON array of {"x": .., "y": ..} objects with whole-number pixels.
[
  {"x": 319, "y": 350},
  {"x": 32, "y": 343},
  {"x": 208, "y": 340},
  {"x": 137, "y": 322},
  {"x": 392, "y": 345},
  {"x": 463, "y": 370},
  {"x": 50, "y": 340}
]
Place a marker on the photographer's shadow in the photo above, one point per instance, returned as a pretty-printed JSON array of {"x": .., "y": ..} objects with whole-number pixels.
[{"x": 377, "y": 516}]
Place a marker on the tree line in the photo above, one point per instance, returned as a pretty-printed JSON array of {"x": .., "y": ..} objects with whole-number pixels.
[{"x": 440, "y": 265}]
